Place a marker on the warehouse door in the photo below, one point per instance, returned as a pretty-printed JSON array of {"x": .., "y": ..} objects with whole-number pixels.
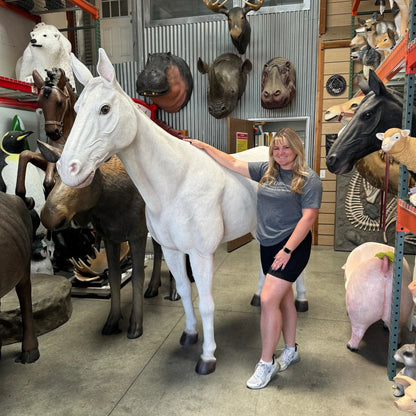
[
  {"x": 240, "y": 137},
  {"x": 116, "y": 30}
]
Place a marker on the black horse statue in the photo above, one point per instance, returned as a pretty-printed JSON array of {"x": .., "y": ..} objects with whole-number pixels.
[{"x": 380, "y": 110}]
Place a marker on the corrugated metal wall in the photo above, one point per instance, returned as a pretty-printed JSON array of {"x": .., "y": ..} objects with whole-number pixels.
[{"x": 292, "y": 35}]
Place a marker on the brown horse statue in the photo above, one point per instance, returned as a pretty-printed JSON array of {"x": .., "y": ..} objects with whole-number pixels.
[
  {"x": 15, "y": 253},
  {"x": 57, "y": 99}
]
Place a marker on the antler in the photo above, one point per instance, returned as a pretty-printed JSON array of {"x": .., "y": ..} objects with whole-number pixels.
[
  {"x": 216, "y": 7},
  {"x": 254, "y": 6}
]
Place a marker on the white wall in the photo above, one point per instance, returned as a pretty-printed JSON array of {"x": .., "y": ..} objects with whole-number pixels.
[{"x": 14, "y": 37}]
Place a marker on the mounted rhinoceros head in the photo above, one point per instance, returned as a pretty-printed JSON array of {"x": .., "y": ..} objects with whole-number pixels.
[
  {"x": 278, "y": 83},
  {"x": 238, "y": 24},
  {"x": 227, "y": 77}
]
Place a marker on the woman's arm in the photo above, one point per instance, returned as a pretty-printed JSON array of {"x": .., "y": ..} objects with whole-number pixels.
[
  {"x": 302, "y": 228},
  {"x": 222, "y": 158}
]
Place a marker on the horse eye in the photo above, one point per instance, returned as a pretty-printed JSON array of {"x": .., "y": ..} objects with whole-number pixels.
[
  {"x": 105, "y": 109},
  {"x": 367, "y": 115}
]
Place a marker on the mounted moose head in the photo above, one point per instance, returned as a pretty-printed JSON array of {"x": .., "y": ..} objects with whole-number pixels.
[{"x": 238, "y": 24}]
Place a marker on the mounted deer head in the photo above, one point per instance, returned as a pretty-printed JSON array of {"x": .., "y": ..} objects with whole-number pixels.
[{"x": 238, "y": 24}]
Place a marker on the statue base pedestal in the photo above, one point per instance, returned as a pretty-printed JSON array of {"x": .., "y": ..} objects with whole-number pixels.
[{"x": 52, "y": 307}]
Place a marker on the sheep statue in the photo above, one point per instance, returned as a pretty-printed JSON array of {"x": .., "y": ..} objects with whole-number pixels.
[
  {"x": 47, "y": 49},
  {"x": 402, "y": 147}
]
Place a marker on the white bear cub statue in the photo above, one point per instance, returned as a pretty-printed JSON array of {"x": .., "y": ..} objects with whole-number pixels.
[{"x": 47, "y": 49}]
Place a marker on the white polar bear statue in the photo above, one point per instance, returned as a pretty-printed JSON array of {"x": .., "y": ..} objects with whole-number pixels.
[{"x": 47, "y": 49}]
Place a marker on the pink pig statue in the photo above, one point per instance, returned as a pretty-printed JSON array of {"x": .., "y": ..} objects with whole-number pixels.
[
  {"x": 368, "y": 284},
  {"x": 407, "y": 403}
]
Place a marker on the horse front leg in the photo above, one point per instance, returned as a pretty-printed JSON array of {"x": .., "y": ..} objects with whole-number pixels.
[
  {"x": 30, "y": 350},
  {"x": 203, "y": 270},
  {"x": 24, "y": 158},
  {"x": 111, "y": 326},
  {"x": 175, "y": 261},
  {"x": 137, "y": 252},
  {"x": 49, "y": 181},
  {"x": 255, "y": 300}
]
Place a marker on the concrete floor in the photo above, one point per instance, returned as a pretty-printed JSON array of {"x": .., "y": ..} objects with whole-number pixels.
[{"x": 81, "y": 372}]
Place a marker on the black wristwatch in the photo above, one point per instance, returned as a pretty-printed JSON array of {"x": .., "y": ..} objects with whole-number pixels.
[{"x": 287, "y": 250}]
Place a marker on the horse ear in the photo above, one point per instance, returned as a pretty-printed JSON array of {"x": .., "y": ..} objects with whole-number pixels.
[
  {"x": 37, "y": 78},
  {"x": 363, "y": 84},
  {"x": 81, "y": 72},
  {"x": 62, "y": 80},
  {"x": 375, "y": 83},
  {"x": 105, "y": 67}
]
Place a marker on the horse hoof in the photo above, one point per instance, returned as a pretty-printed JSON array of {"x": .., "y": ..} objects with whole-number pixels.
[
  {"x": 173, "y": 296},
  {"x": 351, "y": 348},
  {"x": 255, "y": 300},
  {"x": 205, "y": 367},
  {"x": 188, "y": 339},
  {"x": 27, "y": 357},
  {"x": 301, "y": 305},
  {"x": 132, "y": 334}
]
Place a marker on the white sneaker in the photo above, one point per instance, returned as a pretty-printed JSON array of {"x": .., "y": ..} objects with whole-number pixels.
[
  {"x": 262, "y": 374},
  {"x": 288, "y": 357}
]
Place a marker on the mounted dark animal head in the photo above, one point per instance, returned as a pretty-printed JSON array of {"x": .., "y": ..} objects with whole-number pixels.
[
  {"x": 56, "y": 99},
  {"x": 227, "y": 77},
  {"x": 166, "y": 80},
  {"x": 380, "y": 110},
  {"x": 238, "y": 24}
]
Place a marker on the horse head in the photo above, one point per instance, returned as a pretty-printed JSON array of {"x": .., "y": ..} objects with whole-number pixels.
[
  {"x": 380, "y": 110},
  {"x": 105, "y": 123},
  {"x": 57, "y": 100}
]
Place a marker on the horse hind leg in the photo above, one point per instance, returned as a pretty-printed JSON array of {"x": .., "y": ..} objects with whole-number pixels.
[{"x": 301, "y": 303}]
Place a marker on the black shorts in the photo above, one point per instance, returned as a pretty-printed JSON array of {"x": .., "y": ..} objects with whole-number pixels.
[{"x": 297, "y": 262}]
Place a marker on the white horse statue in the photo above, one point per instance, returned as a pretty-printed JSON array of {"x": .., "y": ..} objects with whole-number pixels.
[{"x": 192, "y": 203}]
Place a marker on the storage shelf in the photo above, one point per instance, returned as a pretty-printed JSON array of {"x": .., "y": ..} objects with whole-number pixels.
[
  {"x": 18, "y": 93},
  {"x": 38, "y": 7},
  {"x": 406, "y": 217}
]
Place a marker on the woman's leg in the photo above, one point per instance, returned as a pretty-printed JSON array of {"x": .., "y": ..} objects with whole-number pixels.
[
  {"x": 289, "y": 318},
  {"x": 271, "y": 322}
]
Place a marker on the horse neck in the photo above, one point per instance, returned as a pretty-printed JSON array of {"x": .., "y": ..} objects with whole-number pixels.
[{"x": 152, "y": 159}]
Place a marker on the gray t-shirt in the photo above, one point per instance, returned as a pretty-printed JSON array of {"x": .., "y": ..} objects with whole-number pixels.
[{"x": 278, "y": 210}]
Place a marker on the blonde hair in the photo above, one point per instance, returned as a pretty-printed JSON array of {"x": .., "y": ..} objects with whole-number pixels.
[{"x": 299, "y": 168}]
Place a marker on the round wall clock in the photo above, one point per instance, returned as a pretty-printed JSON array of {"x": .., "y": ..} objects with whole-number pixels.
[{"x": 336, "y": 85}]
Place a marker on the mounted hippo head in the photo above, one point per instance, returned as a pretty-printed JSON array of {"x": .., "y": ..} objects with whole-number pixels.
[
  {"x": 227, "y": 77},
  {"x": 167, "y": 81},
  {"x": 278, "y": 83},
  {"x": 238, "y": 24}
]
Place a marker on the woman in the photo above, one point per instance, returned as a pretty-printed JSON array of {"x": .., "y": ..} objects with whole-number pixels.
[{"x": 288, "y": 199}]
